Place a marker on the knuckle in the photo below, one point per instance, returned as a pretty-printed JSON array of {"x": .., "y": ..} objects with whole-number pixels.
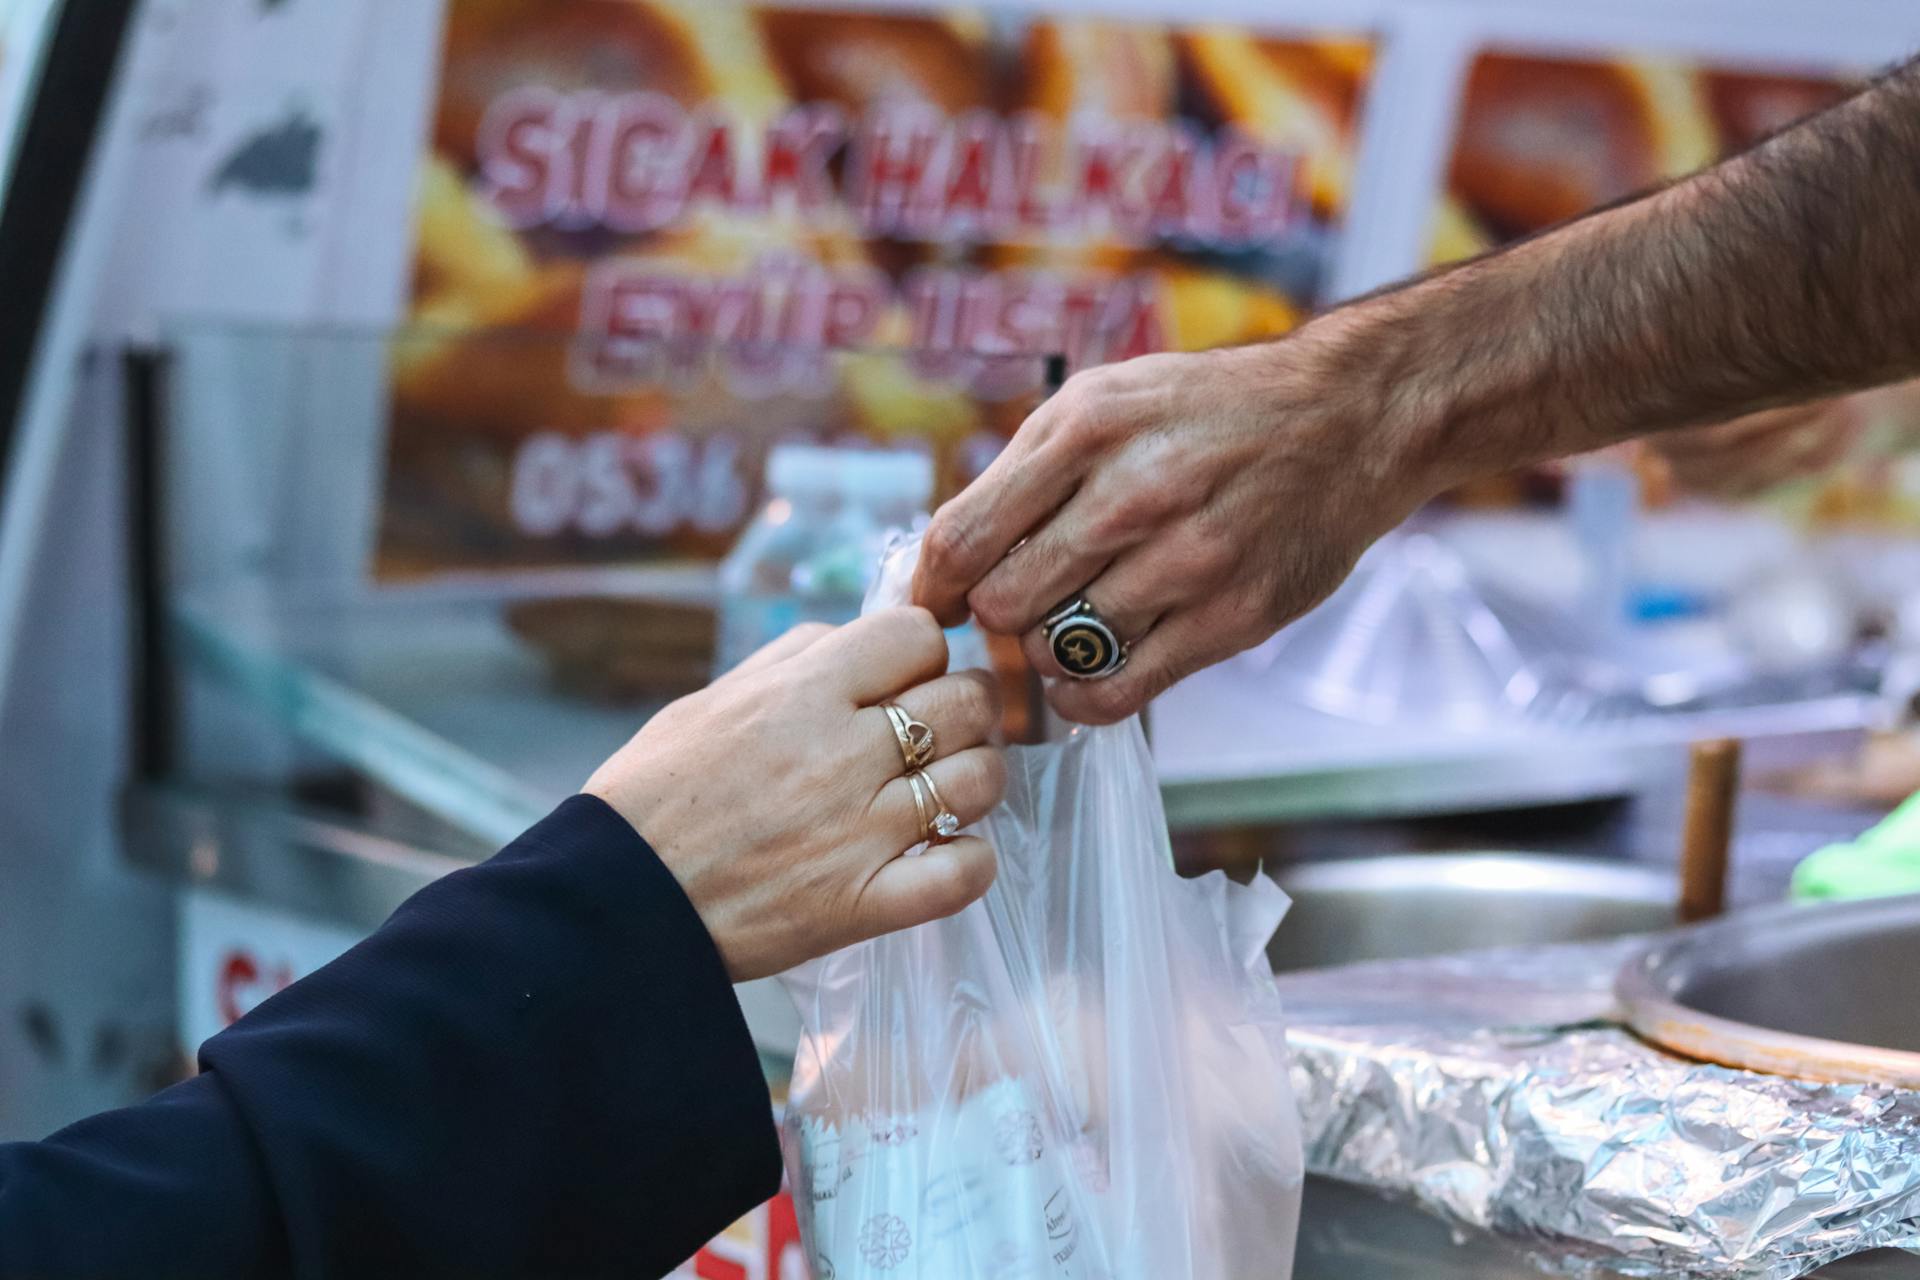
[
  {"x": 1270, "y": 601},
  {"x": 1079, "y": 388},
  {"x": 1188, "y": 560},
  {"x": 1249, "y": 619},
  {"x": 977, "y": 703},
  {"x": 1216, "y": 521},
  {"x": 919, "y": 622},
  {"x": 1082, "y": 425},
  {"x": 1112, "y": 523},
  {"x": 1208, "y": 568},
  {"x": 1218, "y": 558},
  {"x": 1187, "y": 486},
  {"x": 949, "y": 545},
  {"x": 999, "y": 606},
  {"x": 1084, "y": 408},
  {"x": 917, "y": 631},
  {"x": 1139, "y": 507}
]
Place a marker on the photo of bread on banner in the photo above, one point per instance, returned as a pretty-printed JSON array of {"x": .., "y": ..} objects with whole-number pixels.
[
  {"x": 1301, "y": 95},
  {"x": 1541, "y": 139},
  {"x": 1297, "y": 97},
  {"x": 485, "y": 264},
  {"x": 1305, "y": 92},
  {"x": 861, "y": 65},
  {"x": 1751, "y": 105},
  {"x": 492, "y": 47}
]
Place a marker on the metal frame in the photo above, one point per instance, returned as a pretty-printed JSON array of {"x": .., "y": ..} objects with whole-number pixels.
[
  {"x": 43, "y": 221},
  {"x": 260, "y": 847},
  {"x": 155, "y": 677},
  {"x": 37, "y": 223},
  {"x": 37, "y": 202}
]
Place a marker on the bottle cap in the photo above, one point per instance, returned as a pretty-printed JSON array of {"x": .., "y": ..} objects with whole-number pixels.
[
  {"x": 804, "y": 470},
  {"x": 903, "y": 476}
]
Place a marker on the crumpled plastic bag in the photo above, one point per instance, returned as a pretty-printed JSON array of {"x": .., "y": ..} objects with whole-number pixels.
[{"x": 1082, "y": 1076}]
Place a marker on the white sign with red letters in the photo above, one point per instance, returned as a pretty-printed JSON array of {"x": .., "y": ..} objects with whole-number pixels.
[{"x": 234, "y": 954}]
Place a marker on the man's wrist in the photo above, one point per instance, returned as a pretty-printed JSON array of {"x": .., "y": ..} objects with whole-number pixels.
[
  {"x": 1475, "y": 370},
  {"x": 1774, "y": 278},
  {"x": 1370, "y": 369}
]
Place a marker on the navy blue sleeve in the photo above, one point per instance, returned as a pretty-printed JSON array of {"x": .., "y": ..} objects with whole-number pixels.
[{"x": 536, "y": 1067}]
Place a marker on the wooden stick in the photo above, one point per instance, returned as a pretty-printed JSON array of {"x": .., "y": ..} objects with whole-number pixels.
[{"x": 1713, "y": 779}]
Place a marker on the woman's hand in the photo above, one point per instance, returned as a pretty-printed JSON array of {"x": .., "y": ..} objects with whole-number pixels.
[
  {"x": 777, "y": 796},
  {"x": 1199, "y": 502}
]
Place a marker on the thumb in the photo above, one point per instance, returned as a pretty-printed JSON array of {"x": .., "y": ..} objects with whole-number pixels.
[{"x": 937, "y": 883}]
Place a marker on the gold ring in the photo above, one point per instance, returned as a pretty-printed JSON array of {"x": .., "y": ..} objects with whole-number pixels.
[
  {"x": 944, "y": 824},
  {"x": 916, "y": 739}
]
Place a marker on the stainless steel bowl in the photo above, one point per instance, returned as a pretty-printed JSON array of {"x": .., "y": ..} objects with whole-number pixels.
[
  {"x": 1820, "y": 992},
  {"x": 1430, "y": 904}
]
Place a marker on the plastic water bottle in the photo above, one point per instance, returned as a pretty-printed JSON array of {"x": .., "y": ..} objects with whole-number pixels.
[
  {"x": 1603, "y": 502},
  {"x": 809, "y": 554}
]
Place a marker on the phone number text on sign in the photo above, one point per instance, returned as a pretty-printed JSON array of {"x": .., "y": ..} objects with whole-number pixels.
[{"x": 611, "y": 483}]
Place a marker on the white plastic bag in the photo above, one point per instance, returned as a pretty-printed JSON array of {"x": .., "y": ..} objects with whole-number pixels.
[{"x": 1083, "y": 1075}]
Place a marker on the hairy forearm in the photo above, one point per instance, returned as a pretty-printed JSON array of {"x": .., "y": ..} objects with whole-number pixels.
[{"x": 1789, "y": 272}]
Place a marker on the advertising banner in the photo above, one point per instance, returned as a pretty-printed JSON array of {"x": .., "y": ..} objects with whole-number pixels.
[{"x": 653, "y": 236}]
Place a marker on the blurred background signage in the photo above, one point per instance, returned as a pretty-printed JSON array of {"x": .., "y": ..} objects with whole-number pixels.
[{"x": 704, "y": 198}]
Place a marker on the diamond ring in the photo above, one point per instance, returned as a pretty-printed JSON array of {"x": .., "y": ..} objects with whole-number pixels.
[{"x": 936, "y": 820}]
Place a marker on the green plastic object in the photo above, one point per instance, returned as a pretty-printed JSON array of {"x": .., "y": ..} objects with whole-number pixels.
[{"x": 1882, "y": 862}]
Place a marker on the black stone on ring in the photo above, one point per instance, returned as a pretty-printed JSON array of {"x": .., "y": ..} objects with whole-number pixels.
[{"x": 1082, "y": 643}]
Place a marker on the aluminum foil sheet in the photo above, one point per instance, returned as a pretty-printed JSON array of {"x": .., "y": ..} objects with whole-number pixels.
[{"x": 1498, "y": 1091}]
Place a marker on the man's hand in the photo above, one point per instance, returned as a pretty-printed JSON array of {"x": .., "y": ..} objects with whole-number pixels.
[
  {"x": 1750, "y": 455},
  {"x": 1202, "y": 501},
  {"x": 1199, "y": 502}
]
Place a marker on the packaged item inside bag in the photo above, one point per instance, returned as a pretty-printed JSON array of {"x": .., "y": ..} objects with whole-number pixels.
[{"x": 1082, "y": 1076}]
